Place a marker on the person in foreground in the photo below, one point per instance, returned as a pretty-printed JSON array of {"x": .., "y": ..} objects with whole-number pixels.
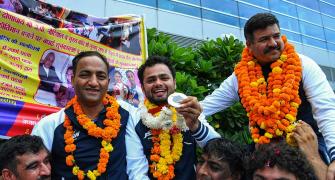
[
  {"x": 87, "y": 137},
  {"x": 221, "y": 159},
  {"x": 24, "y": 157},
  {"x": 277, "y": 86},
  {"x": 279, "y": 161},
  {"x": 167, "y": 136}
]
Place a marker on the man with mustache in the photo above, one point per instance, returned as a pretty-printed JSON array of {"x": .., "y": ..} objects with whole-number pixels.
[
  {"x": 277, "y": 87},
  {"x": 24, "y": 157}
]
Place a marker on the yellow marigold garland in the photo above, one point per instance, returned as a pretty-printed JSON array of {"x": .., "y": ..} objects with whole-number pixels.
[
  {"x": 271, "y": 106},
  {"x": 164, "y": 153},
  {"x": 112, "y": 127}
]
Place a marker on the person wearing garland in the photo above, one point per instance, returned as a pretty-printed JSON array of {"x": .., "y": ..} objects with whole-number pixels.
[
  {"x": 165, "y": 147},
  {"x": 277, "y": 86},
  {"x": 87, "y": 137}
]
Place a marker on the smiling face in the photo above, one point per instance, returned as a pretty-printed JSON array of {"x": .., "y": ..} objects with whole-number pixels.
[
  {"x": 267, "y": 45},
  {"x": 90, "y": 80},
  {"x": 158, "y": 83}
]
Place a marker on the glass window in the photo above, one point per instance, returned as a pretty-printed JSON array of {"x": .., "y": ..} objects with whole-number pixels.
[
  {"x": 178, "y": 7},
  {"x": 328, "y": 22},
  {"x": 328, "y": 72},
  {"x": 206, "y": 14},
  {"x": 291, "y": 36},
  {"x": 330, "y": 1},
  {"x": 314, "y": 42},
  {"x": 330, "y": 35},
  {"x": 311, "y": 30},
  {"x": 306, "y": 15},
  {"x": 242, "y": 22},
  {"x": 327, "y": 9},
  {"x": 331, "y": 46},
  {"x": 152, "y": 3},
  {"x": 227, "y": 6},
  {"x": 283, "y": 7},
  {"x": 247, "y": 11},
  {"x": 288, "y": 23},
  {"x": 312, "y": 4},
  {"x": 261, "y": 3},
  {"x": 195, "y": 2}
]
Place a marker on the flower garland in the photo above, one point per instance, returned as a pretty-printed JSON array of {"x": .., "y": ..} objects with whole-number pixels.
[
  {"x": 112, "y": 123},
  {"x": 164, "y": 153},
  {"x": 271, "y": 106}
]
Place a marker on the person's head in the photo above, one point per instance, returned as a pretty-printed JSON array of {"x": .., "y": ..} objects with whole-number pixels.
[
  {"x": 69, "y": 74},
  {"x": 49, "y": 60},
  {"x": 90, "y": 79},
  {"x": 130, "y": 76},
  {"x": 157, "y": 77},
  {"x": 24, "y": 157},
  {"x": 263, "y": 38},
  {"x": 279, "y": 161},
  {"x": 117, "y": 77},
  {"x": 221, "y": 159}
]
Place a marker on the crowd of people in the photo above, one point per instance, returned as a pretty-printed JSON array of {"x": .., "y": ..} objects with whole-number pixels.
[{"x": 289, "y": 102}]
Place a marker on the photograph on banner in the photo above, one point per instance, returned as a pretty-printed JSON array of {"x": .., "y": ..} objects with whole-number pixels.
[
  {"x": 55, "y": 72},
  {"x": 37, "y": 44},
  {"x": 124, "y": 84}
]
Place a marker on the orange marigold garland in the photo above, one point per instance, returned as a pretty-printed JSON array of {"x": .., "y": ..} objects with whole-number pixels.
[
  {"x": 164, "y": 153},
  {"x": 271, "y": 106},
  {"x": 112, "y": 127}
]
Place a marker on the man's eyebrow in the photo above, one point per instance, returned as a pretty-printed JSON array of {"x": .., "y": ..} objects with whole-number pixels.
[{"x": 31, "y": 164}]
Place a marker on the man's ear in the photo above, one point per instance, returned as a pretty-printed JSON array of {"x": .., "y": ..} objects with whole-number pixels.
[{"x": 7, "y": 174}]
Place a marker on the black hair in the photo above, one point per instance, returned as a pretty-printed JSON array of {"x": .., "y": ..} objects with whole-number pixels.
[
  {"x": 229, "y": 152},
  {"x": 283, "y": 156},
  {"x": 17, "y": 146},
  {"x": 258, "y": 21},
  {"x": 153, "y": 60},
  {"x": 83, "y": 54}
]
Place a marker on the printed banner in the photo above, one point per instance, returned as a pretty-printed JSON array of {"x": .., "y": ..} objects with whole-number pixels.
[{"x": 37, "y": 44}]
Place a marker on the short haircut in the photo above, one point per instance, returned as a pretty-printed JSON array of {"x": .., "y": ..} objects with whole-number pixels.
[
  {"x": 227, "y": 151},
  {"x": 153, "y": 60},
  {"x": 17, "y": 146},
  {"x": 49, "y": 54},
  {"x": 83, "y": 54},
  {"x": 258, "y": 21},
  {"x": 282, "y": 155}
]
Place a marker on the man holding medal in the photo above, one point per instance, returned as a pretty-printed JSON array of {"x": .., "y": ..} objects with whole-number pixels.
[
  {"x": 87, "y": 137},
  {"x": 167, "y": 132}
]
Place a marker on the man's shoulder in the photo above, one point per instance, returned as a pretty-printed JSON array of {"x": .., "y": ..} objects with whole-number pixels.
[{"x": 53, "y": 119}]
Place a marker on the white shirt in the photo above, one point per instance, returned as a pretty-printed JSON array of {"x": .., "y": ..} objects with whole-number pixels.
[{"x": 317, "y": 89}]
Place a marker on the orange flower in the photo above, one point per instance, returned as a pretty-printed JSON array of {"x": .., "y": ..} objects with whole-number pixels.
[
  {"x": 69, "y": 160},
  {"x": 164, "y": 153},
  {"x": 111, "y": 130},
  {"x": 268, "y": 103}
]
